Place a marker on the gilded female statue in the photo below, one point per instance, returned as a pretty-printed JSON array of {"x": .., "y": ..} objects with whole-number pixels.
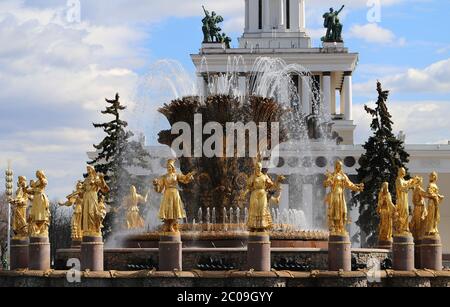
[
  {"x": 39, "y": 219},
  {"x": 434, "y": 201},
  {"x": 420, "y": 211},
  {"x": 171, "y": 209},
  {"x": 76, "y": 200},
  {"x": 402, "y": 187},
  {"x": 131, "y": 202},
  {"x": 93, "y": 207},
  {"x": 386, "y": 211},
  {"x": 337, "y": 206},
  {"x": 259, "y": 217},
  {"x": 20, "y": 204}
]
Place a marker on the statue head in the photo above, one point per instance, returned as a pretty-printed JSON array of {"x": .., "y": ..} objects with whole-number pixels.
[
  {"x": 79, "y": 185},
  {"x": 22, "y": 182},
  {"x": 385, "y": 187},
  {"x": 90, "y": 171},
  {"x": 433, "y": 177},
  {"x": 331, "y": 10},
  {"x": 258, "y": 168},
  {"x": 338, "y": 166},
  {"x": 132, "y": 190},
  {"x": 41, "y": 175},
  {"x": 401, "y": 172},
  {"x": 171, "y": 166}
]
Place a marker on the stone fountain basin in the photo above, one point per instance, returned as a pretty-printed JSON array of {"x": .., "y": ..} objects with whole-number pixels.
[
  {"x": 229, "y": 239},
  {"x": 123, "y": 259}
]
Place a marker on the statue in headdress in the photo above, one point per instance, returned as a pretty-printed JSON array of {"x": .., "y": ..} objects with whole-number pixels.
[{"x": 171, "y": 209}]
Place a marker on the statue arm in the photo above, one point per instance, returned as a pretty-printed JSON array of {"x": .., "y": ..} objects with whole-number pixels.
[
  {"x": 188, "y": 178},
  {"x": 338, "y": 12},
  {"x": 352, "y": 186},
  {"x": 158, "y": 185}
]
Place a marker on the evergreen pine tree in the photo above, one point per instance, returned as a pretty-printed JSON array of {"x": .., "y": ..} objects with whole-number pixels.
[
  {"x": 116, "y": 154},
  {"x": 384, "y": 155}
]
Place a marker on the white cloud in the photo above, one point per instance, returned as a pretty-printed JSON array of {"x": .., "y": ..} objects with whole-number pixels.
[
  {"x": 54, "y": 77},
  {"x": 373, "y": 33},
  {"x": 432, "y": 115},
  {"x": 433, "y": 79}
]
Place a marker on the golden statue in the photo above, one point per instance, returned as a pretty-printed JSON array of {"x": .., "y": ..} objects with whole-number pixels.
[
  {"x": 420, "y": 211},
  {"x": 434, "y": 200},
  {"x": 131, "y": 202},
  {"x": 386, "y": 211},
  {"x": 259, "y": 218},
  {"x": 39, "y": 219},
  {"x": 76, "y": 200},
  {"x": 337, "y": 206},
  {"x": 94, "y": 209},
  {"x": 20, "y": 204},
  {"x": 402, "y": 187},
  {"x": 171, "y": 209}
]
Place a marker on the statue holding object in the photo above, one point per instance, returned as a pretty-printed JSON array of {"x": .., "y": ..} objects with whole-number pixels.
[
  {"x": 402, "y": 187},
  {"x": 333, "y": 26},
  {"x": 19, "y": 205},
  {"x": 94, "y": 209},
  {"x": 212, "y": 31},
  {"x": 171, "y": 209},
  {"x": 258, "y": 185},
  {"x": 76, "y": 200},
  {"x": 337, "y": 206},
  {"x": 39, "y": 219},
  {"x": 417, "y": 224}
]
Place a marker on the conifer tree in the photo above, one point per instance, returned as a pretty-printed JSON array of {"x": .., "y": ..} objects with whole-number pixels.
[
  {"x": 115, "y": 155},
  {"x": 384, "y": 155}
]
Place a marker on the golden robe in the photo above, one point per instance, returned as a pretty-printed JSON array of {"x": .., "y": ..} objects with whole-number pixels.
[
  {"x": 402, "y": 188},
  {"x": 337, "y": 206},
  {"x": 40, "y": 210},
  {"x": 417, "y": 225},
  {"x": 258, "y": 213},
  {"x": 386, "y": 210},
  {"x": 19, "y": 221},
  {"x": 171, "y": 205},
  {"x": 92, "y": 210},
  {"x": 134, "y": 219},
  {"x": 433, "y": 217}
]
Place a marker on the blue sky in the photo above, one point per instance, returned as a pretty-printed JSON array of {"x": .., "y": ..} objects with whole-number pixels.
[{"x": 55, "y": 73}]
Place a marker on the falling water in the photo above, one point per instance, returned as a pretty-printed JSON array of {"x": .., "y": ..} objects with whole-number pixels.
[
  {"x": 214, "y": 221},
  {"x": 238, "y": 217},
  {"x": 200, "y": 216}
]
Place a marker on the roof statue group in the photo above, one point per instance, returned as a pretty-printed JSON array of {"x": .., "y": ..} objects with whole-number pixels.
[
  {"x": 333, "y": 26},
  {"x": 212, "y": 31}
]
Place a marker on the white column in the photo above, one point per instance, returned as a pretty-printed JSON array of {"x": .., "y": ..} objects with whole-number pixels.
[
  {"x": 333, "y": 101},
  {"x": 295, "y": 15},
  {"x": 302, "y": 15},
  {"x": 281, "y": 14},
  {"x": 266, "y": 16},
  {"x": 326, "y": 88},
  {"x": 342, "y": 102},
  {"x": 253, "y": 16},
  {"x": 348, "y": 89},
  {"x": 247, "y": 15},
  {"x": 306, "y": 95}
]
